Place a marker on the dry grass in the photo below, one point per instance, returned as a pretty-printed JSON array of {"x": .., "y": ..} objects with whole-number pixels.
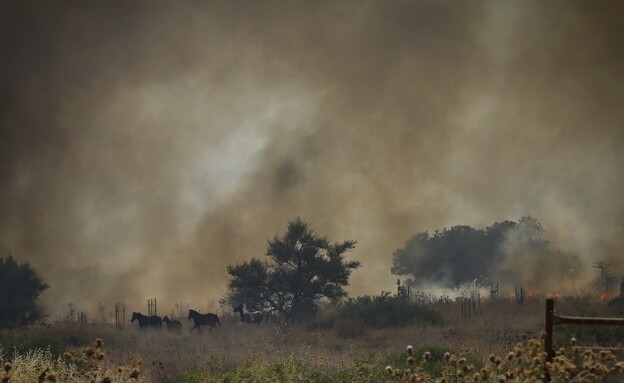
[{"x": 498, "y": 329}]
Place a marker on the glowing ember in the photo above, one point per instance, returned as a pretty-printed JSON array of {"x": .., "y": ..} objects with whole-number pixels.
[
  {"x": 531, "y": 293},
  {"x": 603, "y": 296}
]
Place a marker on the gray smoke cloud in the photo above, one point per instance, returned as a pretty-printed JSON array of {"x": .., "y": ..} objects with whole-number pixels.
[{"x": 144, "y": 146}]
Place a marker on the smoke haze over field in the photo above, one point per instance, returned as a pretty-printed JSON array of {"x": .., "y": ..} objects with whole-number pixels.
[{"x": 144, "y": 146}]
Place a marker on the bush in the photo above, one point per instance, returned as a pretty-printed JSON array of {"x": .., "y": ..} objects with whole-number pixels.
[
  {"x": 286, "y": 371},
  {"x": 24, "y": 340},
  {"x": 590, "y": 335},
  {"x": 347, "y": 329},
  {"x": 191, "y": 377},
  {"x": 378, "y": 311},
  {"x": 616, "y": 306},
  {"x": 259, "y": 371},
  {"x": 20, "y": 286}
]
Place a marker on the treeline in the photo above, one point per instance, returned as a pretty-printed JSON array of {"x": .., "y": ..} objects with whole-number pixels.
[
  {"x": 514, "y": 252},
  {"x": 302, "y": 269}
]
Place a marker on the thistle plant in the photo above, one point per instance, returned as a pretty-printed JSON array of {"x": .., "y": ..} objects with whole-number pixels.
[
  {"x": 526, "y": 363},
  {"x": 91, "y": 365}
]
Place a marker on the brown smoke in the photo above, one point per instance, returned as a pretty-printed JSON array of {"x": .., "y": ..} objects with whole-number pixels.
[{"x": 144, "y": 146}]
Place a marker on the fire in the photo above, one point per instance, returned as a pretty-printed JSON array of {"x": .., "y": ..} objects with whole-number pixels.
[
  {"x": 557, "y": 296},
  {"x": 602, "y": 296},
  {"x": 531, "y": 293}
]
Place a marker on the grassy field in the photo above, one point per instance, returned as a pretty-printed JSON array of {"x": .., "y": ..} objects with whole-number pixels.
[{"x": 257, "y": 353}]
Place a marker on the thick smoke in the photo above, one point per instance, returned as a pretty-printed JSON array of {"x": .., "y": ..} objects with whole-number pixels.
[{"x": 144, "y": 146}]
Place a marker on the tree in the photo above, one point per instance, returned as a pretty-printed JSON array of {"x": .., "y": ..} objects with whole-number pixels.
[
  {"x": 515, "y": 252},
  {"x": 20, "y": 286},
  {"x": 302, "y": 269}
]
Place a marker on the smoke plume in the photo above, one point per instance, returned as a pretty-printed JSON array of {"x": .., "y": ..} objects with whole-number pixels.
[{"x": 144, "y": 146}]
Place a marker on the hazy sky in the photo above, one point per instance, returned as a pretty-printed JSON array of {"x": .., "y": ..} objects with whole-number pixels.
[{"x": 146, "y": 145}]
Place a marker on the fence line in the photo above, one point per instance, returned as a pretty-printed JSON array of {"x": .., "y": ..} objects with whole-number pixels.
[{"x": 552, "y": 320}]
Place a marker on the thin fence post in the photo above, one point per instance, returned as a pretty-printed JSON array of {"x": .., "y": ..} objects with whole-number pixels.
[{"x": 548, "y": 342}]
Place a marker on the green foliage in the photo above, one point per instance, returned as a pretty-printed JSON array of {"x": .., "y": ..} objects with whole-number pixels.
[
  {"x": 348, "y": 329},
  {"x": 20, "y": 287},
  {"x": 368, "y": 369},
  {"x": 379, "y": 311},
  {"x": 286, "y": 371},
  {"x": 603, "y": 336},
  {"x": 462, "y": 254},
  {"x": 616, "y": 306},
  {"x": 196, "y": 376},
  {"x": 21, "y": 341},
  {"x": 589, "y": 335},
  {"x": 302, "y": 268}
]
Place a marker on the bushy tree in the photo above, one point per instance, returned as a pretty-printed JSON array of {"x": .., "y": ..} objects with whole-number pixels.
[
  {"x": 379, "y": 311},
  {"x": 301, "y": 269},
  {"x": 515, "y": 252},
  {"x": 20, "y": 286}
]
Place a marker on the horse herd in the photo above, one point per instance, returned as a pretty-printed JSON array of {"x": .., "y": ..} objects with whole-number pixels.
[{"x": 199, "y": 320}]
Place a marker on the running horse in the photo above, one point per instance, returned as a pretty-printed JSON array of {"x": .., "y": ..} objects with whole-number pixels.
[
  {"x": 209, "y": 319},
  {"x": 250, "y": 316},
  {"x": 172, "y": 325},
  {"x": 145, "y": 321}
]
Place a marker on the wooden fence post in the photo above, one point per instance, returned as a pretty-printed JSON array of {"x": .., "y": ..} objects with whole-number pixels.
[{"x": 548, "y": 342}]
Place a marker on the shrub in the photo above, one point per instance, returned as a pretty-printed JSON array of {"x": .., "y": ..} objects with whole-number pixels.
[
  {"x": 260, "y": 371},
  {"x": 23, "y": 340},
  {"x": 378, "y": 311},
  {"x": 588, "y": 334},
  {"x": 20, "y": 286},
  {"x": 616, "y": 306}
]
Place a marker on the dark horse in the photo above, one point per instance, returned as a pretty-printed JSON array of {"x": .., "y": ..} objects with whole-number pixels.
[
  {"x": 172, "y": 325},
  {"x": 145, "y": 321},
  {"x": 250, "y": 316},
  {"x": 203, "y": 319}
]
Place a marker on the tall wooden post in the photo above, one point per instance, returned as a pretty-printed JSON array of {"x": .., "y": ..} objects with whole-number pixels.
[
  {"x": 151, "y": 307},
  {"x": 120, "y": 315},
  {"x": 548, "y": 342}
]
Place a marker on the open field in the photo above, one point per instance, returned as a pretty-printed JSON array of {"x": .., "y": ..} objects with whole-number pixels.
[{"x": 166, "y": 356}]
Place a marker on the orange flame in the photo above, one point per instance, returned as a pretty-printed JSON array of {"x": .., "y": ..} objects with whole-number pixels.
[
  {"x": 531, "y": 293},
  {"x": 602, "y": 296},
  {"x": 557, "y": 296}
]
